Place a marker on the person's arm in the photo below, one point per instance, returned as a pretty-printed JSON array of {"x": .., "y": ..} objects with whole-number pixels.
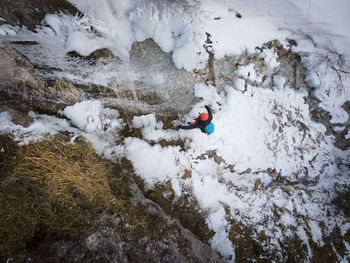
[
  {"x": 210, "y": 114},
  {"x": 190, "y": 127}
]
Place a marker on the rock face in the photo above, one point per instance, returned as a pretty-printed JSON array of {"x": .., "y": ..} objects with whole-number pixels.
[
  {"x": 103, "y": 53},
  {"x": 159, "y": 79},
  {"x": 23, "y": 90},
  {"x": 30, "y": 12},
  {"x": 159, "y": 239},
  {"x": 17, "y": 77},
  {"x": 93, "y": 212}
]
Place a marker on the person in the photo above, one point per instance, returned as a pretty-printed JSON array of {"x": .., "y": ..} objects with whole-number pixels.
[{"x": 203, "y": 122}]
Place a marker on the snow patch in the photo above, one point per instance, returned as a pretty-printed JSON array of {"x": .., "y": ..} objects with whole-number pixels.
[
  {"x": 348, "y": 135},
  {"x": 316, "y": 233},
  {"x": 155, "y": 164},
  {"x": 220, "y": 240},
  {"x": 85, "y": 115},
  {"x": 8, "y": 30},
  {"x": 152, "y": 130},
  {"x": 248, "y": 72},
  {"x": 41, "y": 126},
  {"x": 98, "y": 124},
  {"x": 303, "y": 236}
]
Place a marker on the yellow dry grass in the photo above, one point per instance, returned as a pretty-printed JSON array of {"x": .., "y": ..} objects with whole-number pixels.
[{"x": 51, "y": 190}]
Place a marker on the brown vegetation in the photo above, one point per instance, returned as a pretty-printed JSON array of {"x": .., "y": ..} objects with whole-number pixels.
[{"x": 51, "y": 190}]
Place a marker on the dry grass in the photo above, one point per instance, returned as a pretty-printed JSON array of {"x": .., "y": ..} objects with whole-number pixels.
[{"x": 51, "y": 190}]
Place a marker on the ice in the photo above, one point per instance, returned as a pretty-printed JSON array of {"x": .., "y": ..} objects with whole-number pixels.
[
  {"x": 268, "y": 165},
  {"x": 77, "y": 41},
  {"x": 117, "y": 24}
]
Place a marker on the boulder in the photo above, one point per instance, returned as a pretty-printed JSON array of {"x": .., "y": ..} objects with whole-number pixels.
[{"x": 30, "y": 12}]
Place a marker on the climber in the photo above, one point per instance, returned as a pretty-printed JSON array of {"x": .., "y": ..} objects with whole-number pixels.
[{"x": 203, "y": 122}]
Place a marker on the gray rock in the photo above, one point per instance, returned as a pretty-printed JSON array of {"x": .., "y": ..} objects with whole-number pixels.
[
  {"x": 193, "y": 251},
  {"x": 102, "y": 53},
  {"x": 115, "y": 239},
  {"x": 22, "y": 89},
  {"x": 30, "y": 12}
]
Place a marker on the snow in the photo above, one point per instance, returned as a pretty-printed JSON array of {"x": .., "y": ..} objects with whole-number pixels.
[
  {"x": 118, "y": 24},
  {"x": 8, "y": 30},
  {"x": 74, "y": 33},
  {"x": 271, "y": 59},
  {"x": 42, "y": 126},
  {"x": 124, "y": 22},
  {"x": 260, "y": 132},
  {"x": 339, "y": 128},
  {"x": 331, "y": 83},
  {"x": 232, "y": 35},
  {"x": 348, "y": 135},
  {"x": 249, "y": 72},
  {"x": 257, "y": 130},
  {"x": 85, "y": 115},
  {"x": 151, "y": 129},
  {"x": 345, "y": 228},
  {"x": 91, "y": 119},
  {"x": 347, "y": 256},
  {"x": 334, "y": 21},
  {"x": 239, "y": 84},
  {"x": 261, "y": 22},
  {"x": 316, "y": 233},
  {"x": 251, "y": 124},
  {"x": 156, "y": 164},
  {"x": 303, "y": 236},
  {"x": 97, "y": 123},
  {"x": 220, "y": 240}
]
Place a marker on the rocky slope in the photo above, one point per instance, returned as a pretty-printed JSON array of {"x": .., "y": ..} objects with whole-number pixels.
[
  {"x": 135, "y": 223},
  {"x": 31, "y": 12},
  {"x": 93, "y": 211}
]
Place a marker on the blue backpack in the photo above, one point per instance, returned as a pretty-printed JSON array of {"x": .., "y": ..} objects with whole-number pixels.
[{"x": 209, "y": 129}]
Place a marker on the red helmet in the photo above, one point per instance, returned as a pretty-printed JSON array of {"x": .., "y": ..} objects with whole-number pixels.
[{"x": 204, "y": 116}]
